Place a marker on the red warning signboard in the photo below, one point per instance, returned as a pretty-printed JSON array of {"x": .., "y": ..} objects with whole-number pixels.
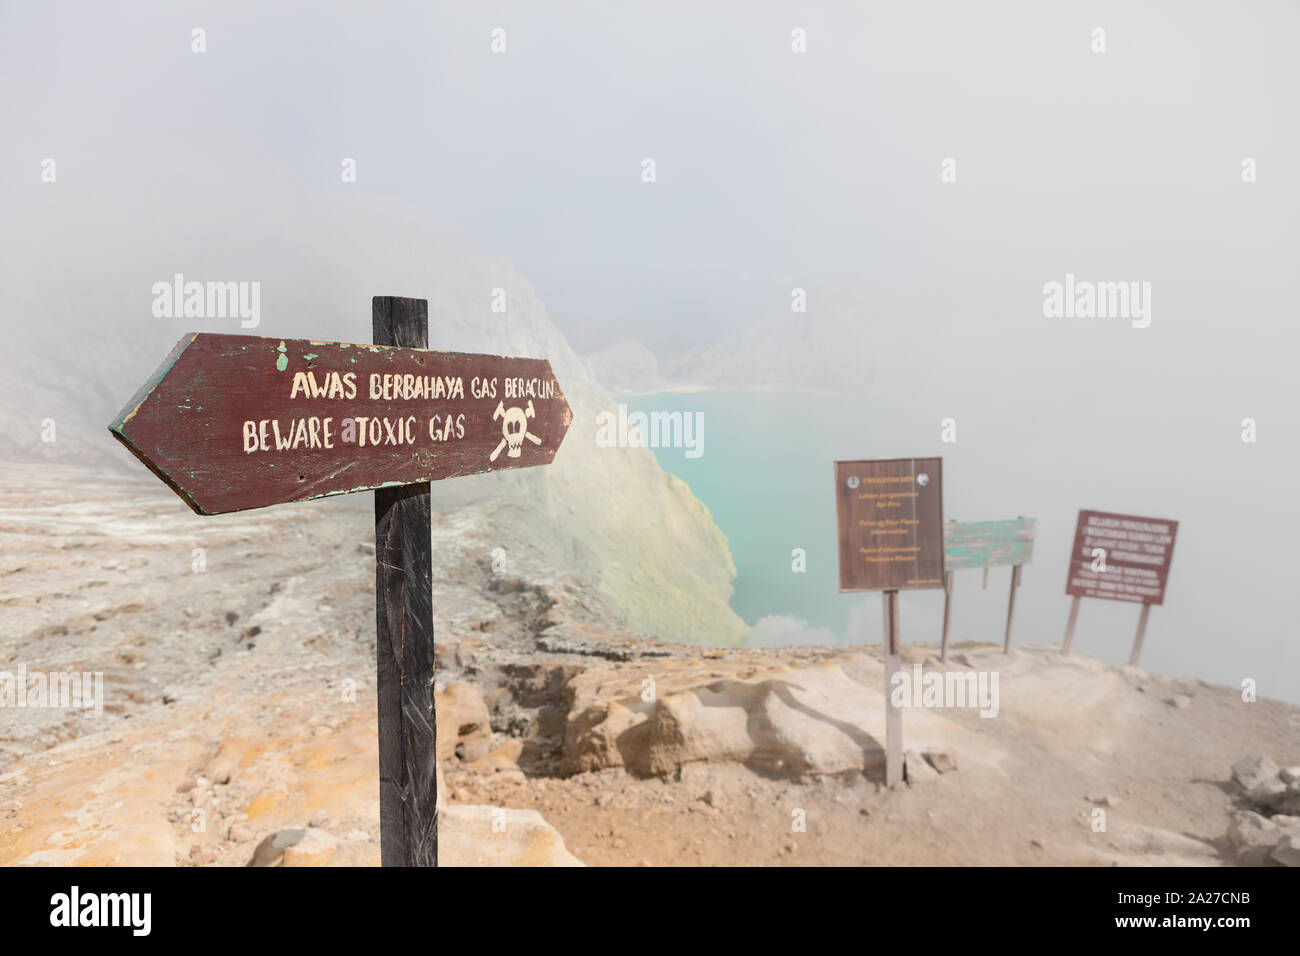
[{"x": 1121, "y": 557}]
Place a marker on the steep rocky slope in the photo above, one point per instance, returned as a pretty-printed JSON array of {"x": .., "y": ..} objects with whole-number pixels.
[{"x": 84, "y": 337}]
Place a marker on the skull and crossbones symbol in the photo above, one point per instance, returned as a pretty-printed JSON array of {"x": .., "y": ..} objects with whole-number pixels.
[{"x": 514, "y": 429}]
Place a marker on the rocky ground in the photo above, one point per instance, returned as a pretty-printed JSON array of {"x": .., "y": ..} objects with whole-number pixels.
[{"x": 238, "y": 721}]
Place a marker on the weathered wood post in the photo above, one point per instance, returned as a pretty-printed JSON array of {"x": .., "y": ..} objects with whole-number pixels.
[
  {"x": 947, "y": 614},
  {"x": 893, "y": 713},
  {"x": 1011, "y": 607},
  {"x": 1069, "y": 625},
  {"x": 1141, "y": 633},
  {"x": 408, "y": 787}
]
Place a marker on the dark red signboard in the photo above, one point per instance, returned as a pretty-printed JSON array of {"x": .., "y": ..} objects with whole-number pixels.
[
  {"x": 1121, "y": 557},
  {"x": 233, "y": 422},
  {"x": 890, "y": 518}
]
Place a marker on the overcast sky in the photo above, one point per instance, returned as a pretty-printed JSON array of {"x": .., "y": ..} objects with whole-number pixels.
[{"x": 773, "y": 167}]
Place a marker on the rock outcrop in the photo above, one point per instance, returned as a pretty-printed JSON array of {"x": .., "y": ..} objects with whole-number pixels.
[
  {"x": 1269, "y": 832},
  {"x": 295, "y": 847},
  {"x": 496, "y": 836},
  {"x": 789, "y": 721},
  {"x": 464, "y": 724}
]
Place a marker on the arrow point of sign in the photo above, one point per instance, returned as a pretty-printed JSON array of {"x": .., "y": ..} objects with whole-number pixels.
[{"x": 120, "y": 428}]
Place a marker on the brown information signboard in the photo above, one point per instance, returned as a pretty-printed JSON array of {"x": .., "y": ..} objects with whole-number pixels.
[
  {"x": 890, "y": 520},
  {"x": 1121, "y": 557},
  {"x": 890, "y": 515}
]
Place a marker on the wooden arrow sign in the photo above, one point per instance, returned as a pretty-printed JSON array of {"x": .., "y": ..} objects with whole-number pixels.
[{"x": 233, "y": 422}]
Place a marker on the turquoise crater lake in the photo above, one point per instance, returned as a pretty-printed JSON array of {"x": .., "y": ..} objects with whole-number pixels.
[{"x": 765, "y": 475}]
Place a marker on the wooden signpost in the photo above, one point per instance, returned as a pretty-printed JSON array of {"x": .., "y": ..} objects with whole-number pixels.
[
  {"x": 233, "y": 422},
  {"x": 1119, "y": 558},
  {"x": 890, "y": 521},
  {"x": 985, "y": 544}
]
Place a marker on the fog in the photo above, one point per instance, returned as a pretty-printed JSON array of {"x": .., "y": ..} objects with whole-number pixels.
[{"x": 774, "y": 169}]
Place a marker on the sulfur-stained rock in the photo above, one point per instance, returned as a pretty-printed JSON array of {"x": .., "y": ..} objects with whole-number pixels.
[
  {"x": 497, "y": 836},
  {"x": 316, "y": 848},
  {"x": 503, "y": 758},
  {"x": 295, "y": 847},
  {"x": 464, "y": 723}
]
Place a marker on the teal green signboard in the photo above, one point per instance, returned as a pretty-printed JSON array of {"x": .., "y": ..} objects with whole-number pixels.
[{"x": 988, "y": 544}]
